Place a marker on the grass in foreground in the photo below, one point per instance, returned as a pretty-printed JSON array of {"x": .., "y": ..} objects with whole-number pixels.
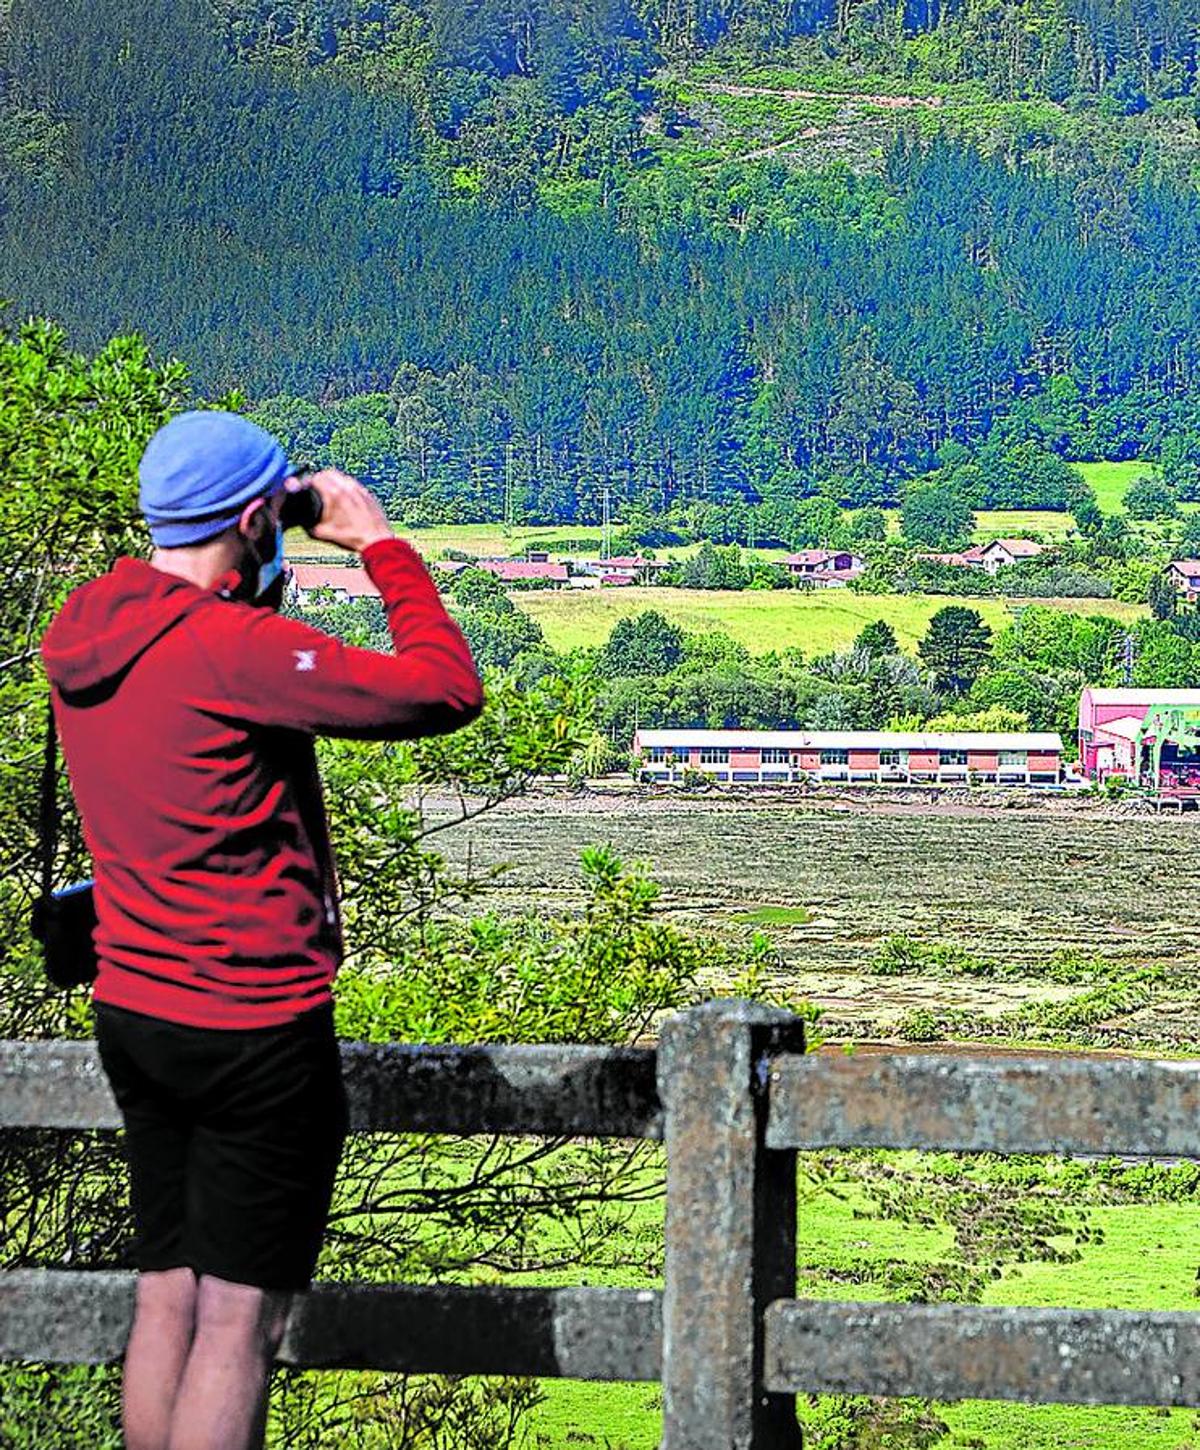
[
  {"x": 816, "y": 622},
  {"x": 1146, "y": 1258}
]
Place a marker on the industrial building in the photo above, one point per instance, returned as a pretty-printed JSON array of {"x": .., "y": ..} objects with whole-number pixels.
[
  {"x": 777, "y": 757},
  {"x": 1148, "y": 736}
]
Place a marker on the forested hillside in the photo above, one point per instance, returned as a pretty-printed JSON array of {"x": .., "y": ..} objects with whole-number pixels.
[{"x": 498, "y": 251}]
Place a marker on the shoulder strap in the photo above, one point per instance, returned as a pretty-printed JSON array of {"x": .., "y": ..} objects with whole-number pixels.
[{"x": 48, "y": 803}]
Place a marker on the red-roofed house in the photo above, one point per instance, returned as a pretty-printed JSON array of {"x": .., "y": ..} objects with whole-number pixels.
[
  {"x": 1185, "y": 575},
  {"x": 622, "y": 569},
  {"x": 511, "y": 571},
  {"x": 1000, "y": 553},
  {"x": 344, "y": 582},
  {"x": 813, "y": 563},
  {"x": 835, "y": 578},
  {"x": 971, "y": 558}
]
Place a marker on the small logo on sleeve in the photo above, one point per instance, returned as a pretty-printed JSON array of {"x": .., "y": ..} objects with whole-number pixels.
[{"x": 306, "y": 659}]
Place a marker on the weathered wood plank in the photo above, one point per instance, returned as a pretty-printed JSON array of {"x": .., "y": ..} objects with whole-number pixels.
[
  {"x": 969, "y": 1351},
  {"x": 563, "y": 1091},
  {"x": 1118, "y": 1106},
  {"x": 593, "y": 1334}
]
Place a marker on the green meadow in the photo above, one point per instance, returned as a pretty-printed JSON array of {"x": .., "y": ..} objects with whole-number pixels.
[
  {"x": 816, "y": 621},
  {"x": 1110, "y": 482}
]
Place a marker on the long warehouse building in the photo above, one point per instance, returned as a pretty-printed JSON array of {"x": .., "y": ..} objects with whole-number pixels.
[{"x": 781, "y": 756}]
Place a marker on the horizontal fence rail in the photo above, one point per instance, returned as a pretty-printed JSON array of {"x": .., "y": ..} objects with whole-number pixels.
[
  {"x": 567, "y": 1091},
  {"x": 733, "y": 1096},
  {"x": 1090, "y": 1106},
  {"x": 966, "y": 1351},
  {"x": 590, "y": 1334}
]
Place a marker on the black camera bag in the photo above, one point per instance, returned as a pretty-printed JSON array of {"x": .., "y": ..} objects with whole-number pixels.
[{"x": 63, "y": 921}]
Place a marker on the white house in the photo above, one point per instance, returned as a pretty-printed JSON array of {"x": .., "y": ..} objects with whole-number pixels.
[
  {"x": 310, "y": 582},
  {"x": 1001, "y": 553}
]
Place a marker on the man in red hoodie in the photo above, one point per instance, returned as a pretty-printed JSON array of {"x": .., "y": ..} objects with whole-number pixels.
[{"x": 187, "y": 707}]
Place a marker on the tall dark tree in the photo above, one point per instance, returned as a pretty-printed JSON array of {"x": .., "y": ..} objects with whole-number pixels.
[
  {"x": 877, "y": 639},
  {"x": 956, "y": 646}
]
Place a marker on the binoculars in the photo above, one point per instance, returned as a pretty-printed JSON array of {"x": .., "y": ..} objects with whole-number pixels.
[{"x": 301, "y": 508}]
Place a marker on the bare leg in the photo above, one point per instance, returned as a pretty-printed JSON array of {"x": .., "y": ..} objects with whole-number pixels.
[
  {"x": 159, "y": 1343},
  {"x": 221, "y": 1403}
]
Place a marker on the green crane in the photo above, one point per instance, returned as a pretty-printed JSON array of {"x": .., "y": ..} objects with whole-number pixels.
[{"x": 1179, "y": 724}]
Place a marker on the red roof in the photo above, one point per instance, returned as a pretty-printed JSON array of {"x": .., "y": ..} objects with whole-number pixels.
[
  {"x": 1018, "y": 548},
  {"x": 510, "y": 569},
  {"x": 958, "y": 560},
  {"x": 352, "y": 581},
  {"x": 810, "y": 556}
]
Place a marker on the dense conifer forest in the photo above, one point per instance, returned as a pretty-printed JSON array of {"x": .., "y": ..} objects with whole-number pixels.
[{"x": 450, "y": 244}]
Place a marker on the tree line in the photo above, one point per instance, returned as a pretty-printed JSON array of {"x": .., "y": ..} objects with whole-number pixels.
[{"x": 296, "y": 233}]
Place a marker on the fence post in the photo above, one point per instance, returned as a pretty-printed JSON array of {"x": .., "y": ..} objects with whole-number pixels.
[{"x": 731, "y": 1227}]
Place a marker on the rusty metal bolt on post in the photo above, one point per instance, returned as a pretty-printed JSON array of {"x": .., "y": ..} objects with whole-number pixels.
[{"x": 730, "y": 1230}]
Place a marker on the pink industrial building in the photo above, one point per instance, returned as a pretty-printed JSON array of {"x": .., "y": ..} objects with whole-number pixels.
[
  {"x": 1113, "y": 735},
  {"x": 780, "y": 756}
]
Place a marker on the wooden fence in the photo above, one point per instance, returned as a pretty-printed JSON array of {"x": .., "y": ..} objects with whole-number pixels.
[{"x": 733, "y": 1096}]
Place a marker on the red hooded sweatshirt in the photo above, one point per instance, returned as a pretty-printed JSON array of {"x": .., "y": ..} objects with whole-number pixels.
[{"x": 186, "y": 721}]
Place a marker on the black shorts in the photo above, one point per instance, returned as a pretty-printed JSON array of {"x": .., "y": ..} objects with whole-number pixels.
[{"x": 233, "y": 1140}]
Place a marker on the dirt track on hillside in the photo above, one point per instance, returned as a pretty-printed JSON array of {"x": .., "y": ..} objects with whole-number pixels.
[{"x": 888, "y": 103}]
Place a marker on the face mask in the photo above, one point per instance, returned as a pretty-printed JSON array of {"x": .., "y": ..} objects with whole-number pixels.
[{"x": 272, "y": 569}]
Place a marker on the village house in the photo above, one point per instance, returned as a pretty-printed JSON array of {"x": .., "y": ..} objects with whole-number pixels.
[
  {"x": 824, "y": 568},
  {"x": 1185, "y": 575},
  {"x": 991, "y": 558},
  {"x": 971, "y": 558},
  {"x": 510, "y": 571},
  {"x": 1002, "y": 553},
  {"x": 621, "y": 569},
  {"x": 311, "y": 584},
  {"x": 514, "y": 571}
]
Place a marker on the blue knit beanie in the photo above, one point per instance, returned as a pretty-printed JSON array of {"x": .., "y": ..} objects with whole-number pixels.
[{"x": 199, "y": 472}]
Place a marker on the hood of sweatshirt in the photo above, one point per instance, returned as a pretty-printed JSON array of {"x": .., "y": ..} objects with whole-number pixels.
[{"x": 106, "y": 624}]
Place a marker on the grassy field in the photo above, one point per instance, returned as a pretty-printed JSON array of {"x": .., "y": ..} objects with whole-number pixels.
[
  {"x": 1110, "y": 481},
  {"x": 1046, "y": 524},
  {"x": 830, "y": 884},
  {"x": 481, "y": 539},
  {"x": 816, "y": 621}
]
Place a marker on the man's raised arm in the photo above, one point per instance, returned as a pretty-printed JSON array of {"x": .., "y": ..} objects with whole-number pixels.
[{"x": 278, "y": 671}]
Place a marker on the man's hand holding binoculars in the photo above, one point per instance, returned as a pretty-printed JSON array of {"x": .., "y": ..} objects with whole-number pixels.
[{"x": 335, "y": 508}]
